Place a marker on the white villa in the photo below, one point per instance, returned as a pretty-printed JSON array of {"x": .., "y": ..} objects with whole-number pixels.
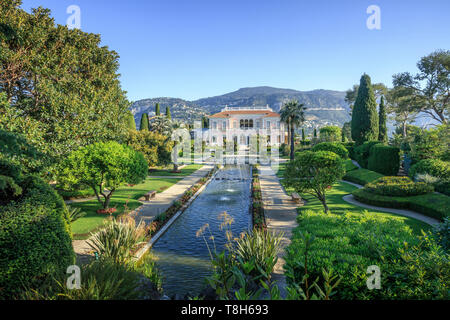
[{"x": 241, "y": 123}]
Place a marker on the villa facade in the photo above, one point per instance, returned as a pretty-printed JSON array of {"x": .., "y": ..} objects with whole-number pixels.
[{"x": 240, "y": 124}]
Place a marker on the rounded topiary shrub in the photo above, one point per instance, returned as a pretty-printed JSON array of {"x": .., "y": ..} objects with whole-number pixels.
[
  {"x": 434, "y": 167},
  {"x": 335, "y": 147},
  {"x": 362, "y": 152},
  {"x": 35, "y": 238},
  {"x": 398, "y": 187},
  {"x": 384, "y": 159}
]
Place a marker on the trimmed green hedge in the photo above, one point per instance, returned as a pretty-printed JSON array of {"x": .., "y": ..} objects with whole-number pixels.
[
  {"x": 432, "y": 204},
  {"x": 384, "y": 159},
  {"x": 362, "y": 152},
  {"x": 335, "y": 147},
  {"x": 435, "y": 167},
  {"x": 362, "y": 176},
  {"x": 34, "y": 238},
  {"x": 398, "y": 187}
]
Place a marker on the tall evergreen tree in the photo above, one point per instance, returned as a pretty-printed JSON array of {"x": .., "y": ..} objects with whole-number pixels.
[
  {"x": 382, "y": 135},
  {"x": 364, "y": 116},
  {"x": 157, "y": 110},
  {"x": 315, "y": 133},
  {"x": 303, "y": 134},
  {"x": 144, "y": 122},
  {"x": 168, "y": 115},
  {"x": 131, "y": 124}
]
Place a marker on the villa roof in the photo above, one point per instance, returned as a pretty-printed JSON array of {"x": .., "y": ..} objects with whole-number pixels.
[{"x": 227, "y": 114}]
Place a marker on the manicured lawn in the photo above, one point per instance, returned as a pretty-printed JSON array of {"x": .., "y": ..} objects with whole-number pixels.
[
  {"x": 362, "y": 176},
  {"x": 185, "y": 171},
  {"x": 432, "y": 204},
  {"x": 124, "y": 196},
  {"x": 338, "y": 206}
]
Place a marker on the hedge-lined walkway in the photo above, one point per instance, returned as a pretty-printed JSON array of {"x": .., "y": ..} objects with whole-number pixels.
[
  {"x": 165, "y": 199},
  {"x": 281, "y": 214},
  {"x": 407, "y": 213}
]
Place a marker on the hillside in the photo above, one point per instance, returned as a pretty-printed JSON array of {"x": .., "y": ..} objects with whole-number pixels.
[{"x": 323, "y": 106}]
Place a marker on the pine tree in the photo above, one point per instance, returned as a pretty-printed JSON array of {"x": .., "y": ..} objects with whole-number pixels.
[
  {"x": 144, "y": 122},
  {"x": 168, "y": 115},
  {"x": 131, "y": 124},
  {"x": 382, "y": 135},
  {"x": 315, "y": 133},
  {"x": 364, "y": 116},
  {"x": 303, "y": 134},
  {"x": 157, "y": 111}
]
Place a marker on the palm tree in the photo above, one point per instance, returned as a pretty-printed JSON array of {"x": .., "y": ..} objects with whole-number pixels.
[{"x": 293, "y": 114}]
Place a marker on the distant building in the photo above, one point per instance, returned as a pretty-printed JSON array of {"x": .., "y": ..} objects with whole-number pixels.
[{"x": 241, "y": 123}]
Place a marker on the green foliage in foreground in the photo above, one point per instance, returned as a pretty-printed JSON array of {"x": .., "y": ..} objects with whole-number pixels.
[
  {"x": 362, "y": 176},
  {"x": 125, "y": 198},
  {"x": 348, "y": 243},
  {"x": 431, "y": 204},
  {"x": 398, "y": 187}
]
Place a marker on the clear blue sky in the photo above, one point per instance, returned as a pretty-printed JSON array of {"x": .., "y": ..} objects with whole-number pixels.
[{"x": 192, "y": 49}]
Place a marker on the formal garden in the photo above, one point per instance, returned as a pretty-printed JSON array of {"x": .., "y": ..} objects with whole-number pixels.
[{"x": 75, "y": 168}]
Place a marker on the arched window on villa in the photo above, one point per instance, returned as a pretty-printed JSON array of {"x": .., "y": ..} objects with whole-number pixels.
[
  {"x": 246, "y": 123},
  {"x": 242, "y": 124},
  {"x": 250, "y": 123}
]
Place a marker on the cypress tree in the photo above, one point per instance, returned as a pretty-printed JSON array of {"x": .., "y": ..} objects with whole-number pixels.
[
  {"x": 144, "y": 122},
  {"x": 382, "y": 135},
  {"x": 157, "y": 111},
  {"x": 315, "y": 133},
  {"x": 129, "y": 118},
  {"x": 303, "y": 134},
  {"x": 364, "y": 116},
  {"x": 168, "y": 115}
]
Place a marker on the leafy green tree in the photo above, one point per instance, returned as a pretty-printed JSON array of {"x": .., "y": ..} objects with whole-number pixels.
[
  {"x": 364, "y": 115},
  {"x": 303, "y": 134},
  {"x": 144, "y": 122},
  {"x": 430, "y": 87},
  {"x": 314, "y": 173},
  {"x": 62, "y": 86},
  {"x": 103, "y": 165},
  {"x": 157, "y": 110},
  {"x": 168, "y": 115},
  {"x": 382, "y": 134},
  {"x": 131, "y": 123},
  {"x": 315, "y": 133},
  {"x": 293, "y": 113}
]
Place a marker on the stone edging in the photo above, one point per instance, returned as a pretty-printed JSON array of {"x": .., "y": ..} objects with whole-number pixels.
[{"x": 166, "y": 226}]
